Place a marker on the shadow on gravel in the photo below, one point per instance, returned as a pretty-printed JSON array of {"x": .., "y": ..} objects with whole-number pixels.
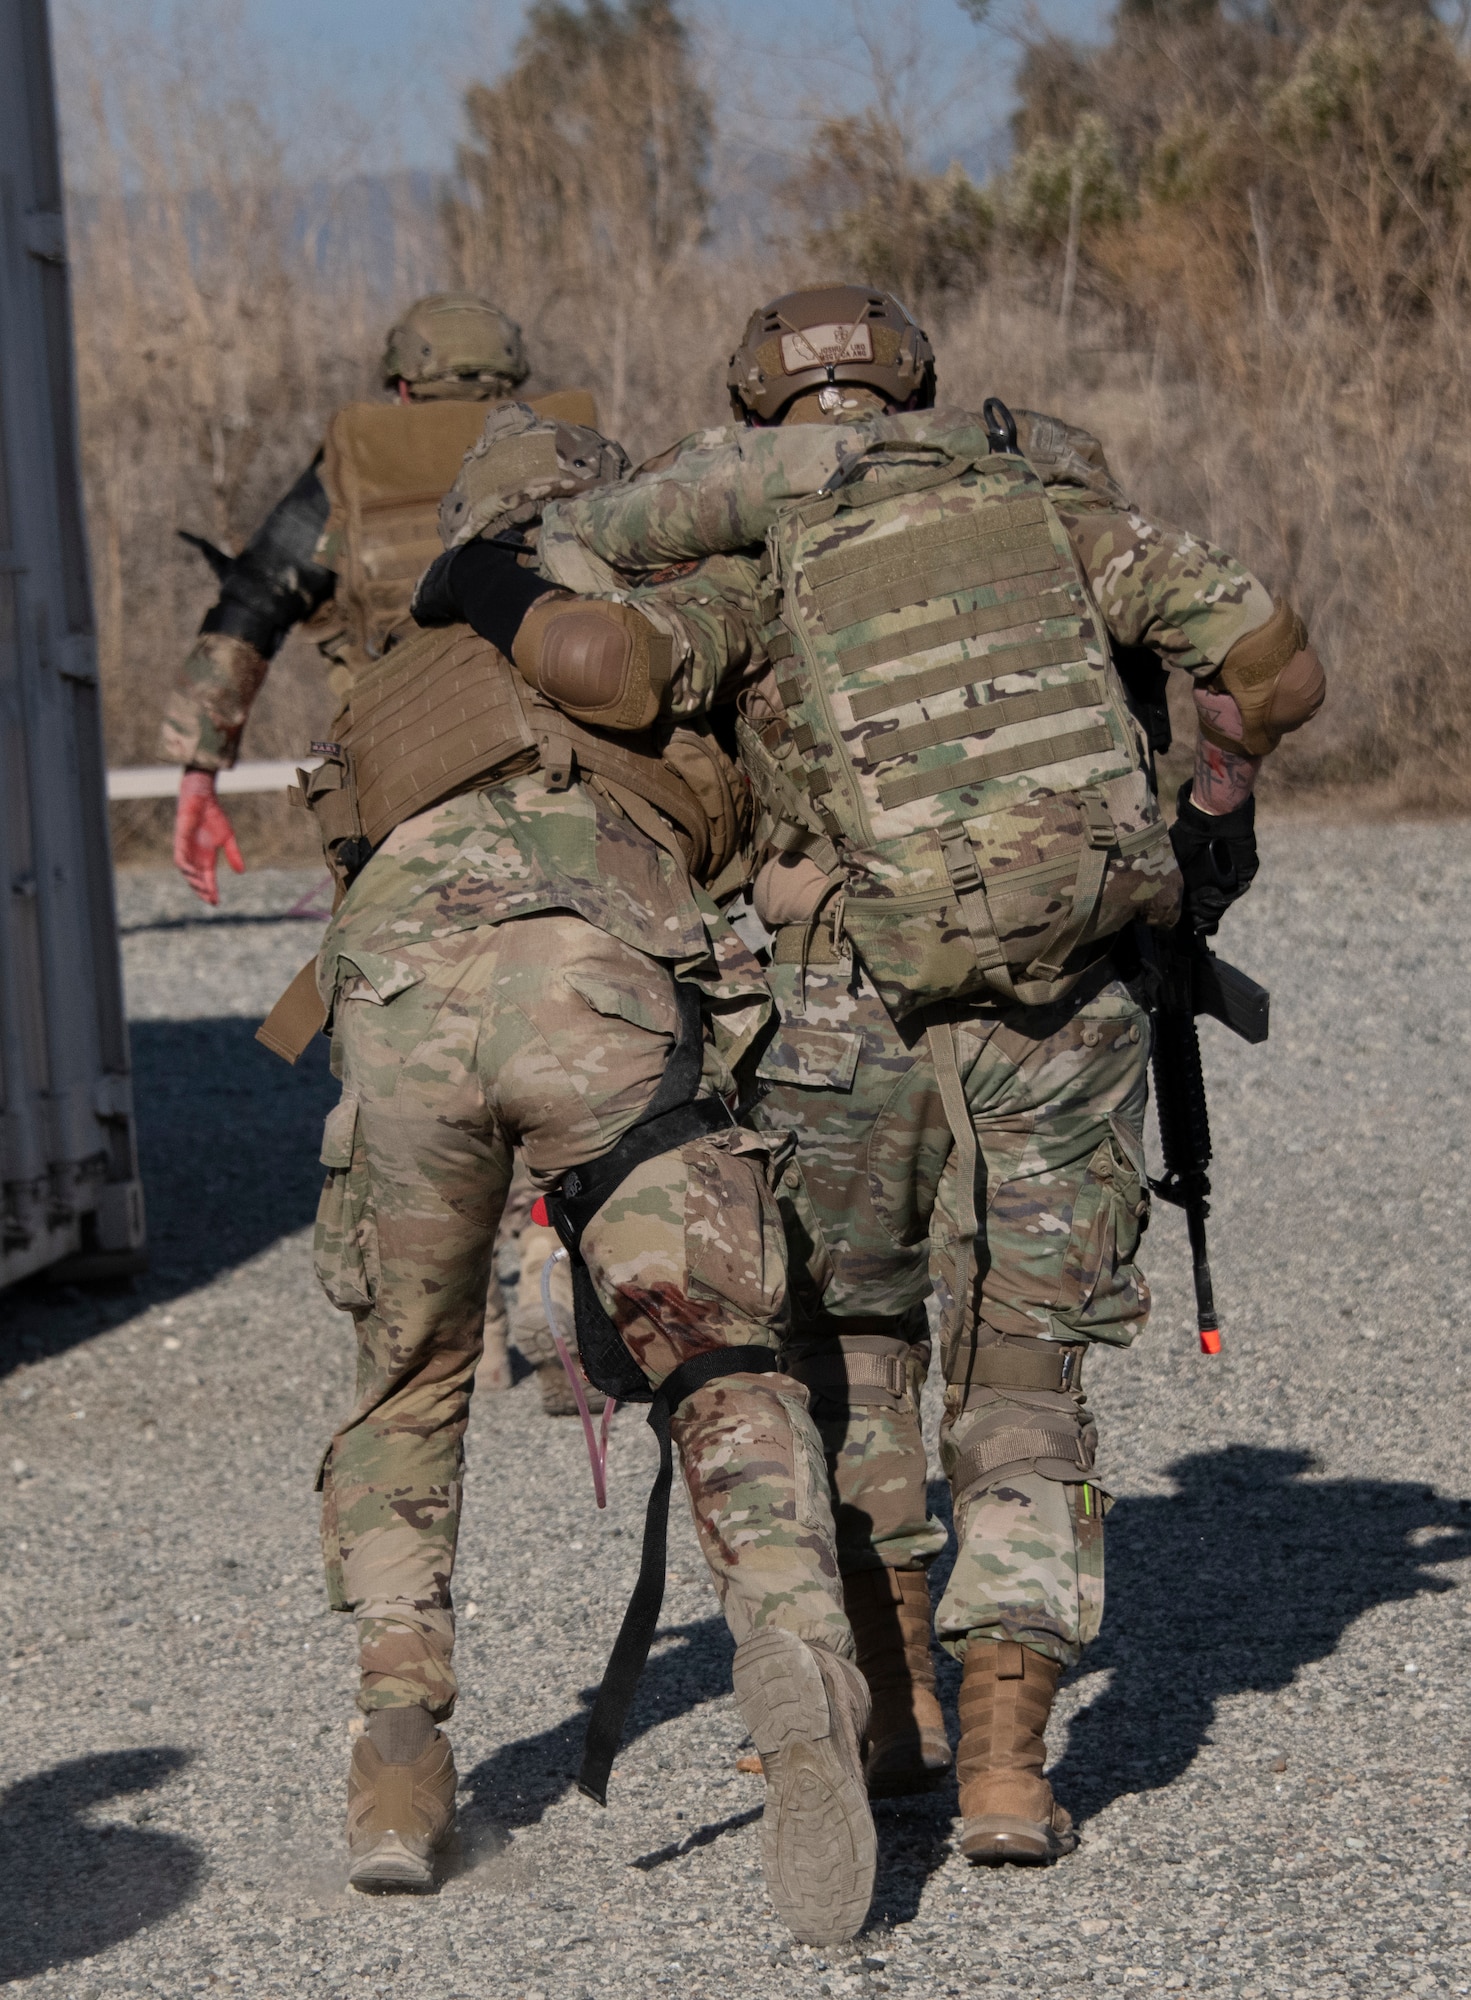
[
  {"x": 515, "y": 1786},
  {"x": 229, "y": 1138},
  {"x": 1229, "y": 1586},
  {"x": 75, "y": 1886}
]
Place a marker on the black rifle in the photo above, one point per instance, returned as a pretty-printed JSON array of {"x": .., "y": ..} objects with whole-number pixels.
[{"x": 1183, "y": 978}]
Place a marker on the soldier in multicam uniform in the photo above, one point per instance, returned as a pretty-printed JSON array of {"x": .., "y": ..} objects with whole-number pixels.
[
  {"x": 521, "y": 966},
  {"x": 953, "y": 882},
  {"x": 449, "y": 354}
]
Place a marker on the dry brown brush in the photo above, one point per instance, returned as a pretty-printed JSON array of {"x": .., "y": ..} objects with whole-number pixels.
[{"x": 1234, "y": 245}]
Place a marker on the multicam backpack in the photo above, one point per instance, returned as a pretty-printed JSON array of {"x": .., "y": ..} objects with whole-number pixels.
[{"x": 957, "y": 736}]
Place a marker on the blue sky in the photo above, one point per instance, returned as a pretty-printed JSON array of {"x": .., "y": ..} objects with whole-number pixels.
[{"x": 398, "y": 71}]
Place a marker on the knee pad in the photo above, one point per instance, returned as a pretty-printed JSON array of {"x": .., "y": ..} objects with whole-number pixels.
[{"x": 1021, "y": 1409}]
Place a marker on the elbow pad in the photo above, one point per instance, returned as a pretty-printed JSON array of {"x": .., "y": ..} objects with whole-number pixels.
[
  {"x": 1275, "y": 678},
  {"x": 601, "y": 662},
  {"x": 275, "y": 583}
]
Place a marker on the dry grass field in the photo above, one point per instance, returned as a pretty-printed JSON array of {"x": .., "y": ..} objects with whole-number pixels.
[{"x": 1233, "y": 244}]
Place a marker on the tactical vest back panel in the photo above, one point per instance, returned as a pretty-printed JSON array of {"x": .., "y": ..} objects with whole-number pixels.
[
  {"x": 386, "y": 467},
  {"x": 963, "y": 737},
  {"x": 445, "y": 711}
]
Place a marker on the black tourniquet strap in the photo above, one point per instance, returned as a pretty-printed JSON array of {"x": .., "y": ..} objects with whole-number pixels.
[
  {"x": 585, "y": 1189},
  {"x": 673, "y": 1117},
  {"x": 640, "y": 1621}
]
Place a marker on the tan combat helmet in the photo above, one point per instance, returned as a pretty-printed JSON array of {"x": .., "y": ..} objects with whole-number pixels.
[
  {"x": 813, "y": 343},
  {"x": 453, "y": 344}
]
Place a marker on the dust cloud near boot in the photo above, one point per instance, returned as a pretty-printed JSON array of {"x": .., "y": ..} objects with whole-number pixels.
[
  {"x": 906, "y": 1749},
  {"x": 1007, "y": 1809},
  {"x": 400, "y": 1802}
]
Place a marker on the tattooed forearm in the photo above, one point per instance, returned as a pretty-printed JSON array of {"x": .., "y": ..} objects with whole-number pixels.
[{"x": 1223, "y": 778}]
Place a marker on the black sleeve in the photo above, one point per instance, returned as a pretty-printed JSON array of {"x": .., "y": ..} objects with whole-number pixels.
[
  {"x": 273, "y": 583},
  {"x": 484, "y": 585}
]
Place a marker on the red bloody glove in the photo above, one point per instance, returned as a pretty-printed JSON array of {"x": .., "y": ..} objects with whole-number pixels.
[{"x": 201, "y": 829}]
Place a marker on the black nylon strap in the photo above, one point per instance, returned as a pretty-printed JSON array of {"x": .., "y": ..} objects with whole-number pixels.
[
  {"x": 672, "y": 1119},
  {"x": 585, "y": 1189},
  {"x": 640, "y": 1621}
]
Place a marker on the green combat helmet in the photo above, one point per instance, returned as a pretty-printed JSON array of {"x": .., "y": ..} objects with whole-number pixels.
[
  {"x": 453, "y": 344},
  {"x": 520, "y": 461},
  {"x": 812, "y": 342}
]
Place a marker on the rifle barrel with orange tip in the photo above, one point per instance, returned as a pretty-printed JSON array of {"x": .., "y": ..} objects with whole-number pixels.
[{"x": 1197, "y": 1209}]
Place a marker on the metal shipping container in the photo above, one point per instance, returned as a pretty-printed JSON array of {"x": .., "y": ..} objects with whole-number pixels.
[{"x": 68, "y": 1156}]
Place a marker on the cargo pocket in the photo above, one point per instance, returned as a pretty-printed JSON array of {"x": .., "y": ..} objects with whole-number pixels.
[
  {"x": 1090, "y": 1503},
  {"x": 345, "y": 1241},
  {"x": 813, "y": 1496},
  {"x": 814, "y": 1058},
  {"x": 1103, "y": 1292},
  {"x": 732, "y": 1228}
]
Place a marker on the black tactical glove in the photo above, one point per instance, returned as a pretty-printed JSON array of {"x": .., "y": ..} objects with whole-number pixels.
[
  {"x": 1217, "y": 857},
  {"x": 481, "y": 585}
]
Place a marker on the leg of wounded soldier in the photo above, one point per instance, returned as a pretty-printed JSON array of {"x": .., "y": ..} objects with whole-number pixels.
[
  {"x": 687, "y": 1256},
  {"x": 548, "y": 1035},
  {"x": 871, "y": 1145},
  {"x": 1057, "y": 1099}
]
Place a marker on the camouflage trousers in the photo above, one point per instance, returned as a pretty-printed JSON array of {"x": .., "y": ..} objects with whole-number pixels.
[
  {"x": 1056, "y": 1098},
  {"x": 547, "y": 1035}
]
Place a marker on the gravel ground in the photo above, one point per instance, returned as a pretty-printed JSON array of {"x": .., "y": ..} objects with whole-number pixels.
[{"x": 1267, "y": 1751}]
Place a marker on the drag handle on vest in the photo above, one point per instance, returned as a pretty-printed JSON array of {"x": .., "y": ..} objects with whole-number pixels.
[
  {"x": 1183, "y": 978},
  {"x": 1000, "y": 426}
]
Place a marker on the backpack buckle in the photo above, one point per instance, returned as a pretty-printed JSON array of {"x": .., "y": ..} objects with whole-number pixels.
[
  {"x": 960, "y": 863},
  {"x": 1098, "y": 820},
  {"x": 557, "y": 762}
]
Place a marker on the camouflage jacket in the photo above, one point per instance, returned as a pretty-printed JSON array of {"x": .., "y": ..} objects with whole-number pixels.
[
  {"x": 719, "y": 491},
  {"x": 514, "y": 848}
]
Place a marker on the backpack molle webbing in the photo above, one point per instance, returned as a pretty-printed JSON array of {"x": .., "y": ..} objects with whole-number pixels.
[{"x": 965, "y": 740}]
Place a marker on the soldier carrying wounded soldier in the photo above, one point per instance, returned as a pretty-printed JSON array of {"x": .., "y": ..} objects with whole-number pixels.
[
  {"x": 913, "y": 610},
  {"x": 958, "y": 834},
  {"x": 522, "y": 962}
]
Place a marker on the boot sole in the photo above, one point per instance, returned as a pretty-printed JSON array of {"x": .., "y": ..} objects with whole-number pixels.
[
  {"x": 817, "y": 1839},
  {"x": 391, "y": 1868},
  {"x": 996, "y": 1837}
]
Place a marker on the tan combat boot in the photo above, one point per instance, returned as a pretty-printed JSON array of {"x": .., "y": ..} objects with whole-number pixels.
[
  {"x": 400, "y": 1802},
  {"x": 807, "y": 1710},
  {"x": 1007, "y": 1809},
  {"x": 906, "y": 1749}
]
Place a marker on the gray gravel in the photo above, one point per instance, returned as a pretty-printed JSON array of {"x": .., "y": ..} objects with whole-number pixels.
[{"x": 1267, "y": 1750}]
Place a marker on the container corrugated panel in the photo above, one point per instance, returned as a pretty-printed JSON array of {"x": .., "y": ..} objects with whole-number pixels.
[{"x": 69, "y": 1187}]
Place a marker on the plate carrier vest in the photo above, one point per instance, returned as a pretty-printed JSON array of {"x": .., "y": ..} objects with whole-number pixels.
[{"x": 386, "y": 467}]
